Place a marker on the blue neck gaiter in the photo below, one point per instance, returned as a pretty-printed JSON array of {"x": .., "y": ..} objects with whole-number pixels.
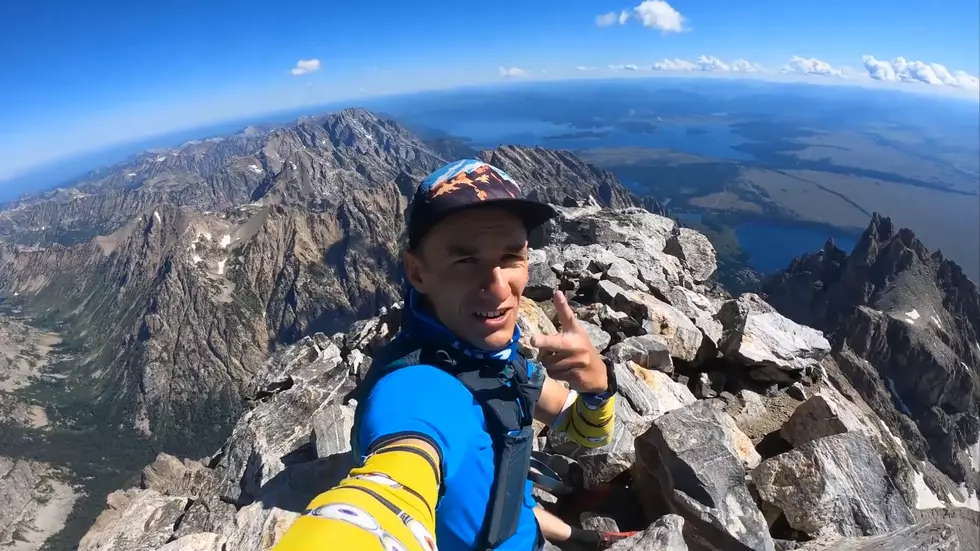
[{"x": 419, "y": 323}]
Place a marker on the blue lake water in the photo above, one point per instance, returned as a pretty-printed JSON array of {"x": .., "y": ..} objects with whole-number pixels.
[
  {"x": 773, "y": 246},
  {"x": 705, "y": 140}
]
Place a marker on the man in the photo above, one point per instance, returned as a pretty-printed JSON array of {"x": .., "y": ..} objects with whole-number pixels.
[{"x": 443, "y": 422}]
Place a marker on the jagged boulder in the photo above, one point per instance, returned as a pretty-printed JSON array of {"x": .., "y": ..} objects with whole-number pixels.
[
  {"x": 778, "y": 349},
  {"x": 693, "y": 462},
  {"x": 833, "y": 485},
  {"x": 171, "y": 476},
  {"x": 209, "y": 515},
  {"x": 701, "y": 311},
  {"x": 696, "y": 253},
  {"x": 682, "y": 338},
  {"x": 135, "y": 519},
  {"x": 647, "y": 351},
  {"x": 825, "y": 414},
  {"x": 666, "y": 534},
  {"x": 650, "y": 393},
  {"x": 332, "y": 425}
]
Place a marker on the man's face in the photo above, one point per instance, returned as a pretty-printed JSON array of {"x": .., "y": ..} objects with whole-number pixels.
[{"x": 472, "y": 267}]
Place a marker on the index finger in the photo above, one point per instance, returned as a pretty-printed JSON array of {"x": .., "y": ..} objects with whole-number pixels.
[{"x": 566, "y": 316}]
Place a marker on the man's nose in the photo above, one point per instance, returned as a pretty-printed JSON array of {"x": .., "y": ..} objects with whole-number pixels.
[{"x": 494, "y": 284}]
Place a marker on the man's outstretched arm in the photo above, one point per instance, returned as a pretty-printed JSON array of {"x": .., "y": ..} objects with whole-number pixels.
[
  {"x": 415, "y": 428},
  {"x": 386, "y": 504}
]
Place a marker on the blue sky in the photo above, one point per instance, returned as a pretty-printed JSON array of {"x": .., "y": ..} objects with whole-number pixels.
[{"x": 79, "y": 76}]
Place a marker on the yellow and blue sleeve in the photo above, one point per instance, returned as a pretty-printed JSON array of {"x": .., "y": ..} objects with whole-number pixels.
[
  {"x": 587, "y": 419},
  {"x": 388, "y": 504}
]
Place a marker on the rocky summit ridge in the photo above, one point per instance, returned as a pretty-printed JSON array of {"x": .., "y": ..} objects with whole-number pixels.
[{"x": 736, "y": 427}]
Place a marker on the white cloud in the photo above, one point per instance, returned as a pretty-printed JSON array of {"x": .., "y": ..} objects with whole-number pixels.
[
  {"x": 710, "y": 64},
  {"x": 660, "y": 15},
  {"x": 628, "y": 67},
  {"x": 901, "y": 70},
  {"x": 584, "y": 68},
  {"x": 612, "y": 18},
  {"x": 811, "y": 66},
  {"x": 305, "y": 66},
  {"x": 514, "y": 72},
  {"x": 743, "y": 66},
  {"x": 673, "y": 65},
  {"x": 657, "y": 14},
  {"x": 606, "y": 19}
]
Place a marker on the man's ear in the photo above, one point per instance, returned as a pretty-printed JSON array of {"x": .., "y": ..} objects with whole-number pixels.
[{"x": 414, "y": 269}]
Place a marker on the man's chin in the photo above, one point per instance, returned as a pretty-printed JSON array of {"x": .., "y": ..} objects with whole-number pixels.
[{"x": 494, "y": 340}]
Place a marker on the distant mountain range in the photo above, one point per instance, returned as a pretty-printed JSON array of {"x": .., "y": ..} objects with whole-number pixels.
[{"x": 171, "y": 278}]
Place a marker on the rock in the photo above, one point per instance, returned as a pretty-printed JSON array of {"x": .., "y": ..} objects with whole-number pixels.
[
  {"x": 332, "y": 425},
  {"x": 625, "y": 275},
  {"x": 752, "y": 404},
  {"x": 648, "y": 351},
  {"x": 833, "y": 485},
  {"x": 827, "y": 413},
  {"x": 797, "y": 391},
  {"x": 206, "y": 515},
  {"x": 600, "y": 339},
  {"x": 196, "y": 542},
  {"x": 694, "y": 460},
  {"x": 696, "y": 253},
  {"x": 531, "y": 319},
  {"x": 171, "y": 476},
  {"x": 700, "y": 310},
  {"x": 920, "y": 537},
  {"x": 136, "y": 519},
  {"x": 592, "y": 521},
  {"x": 666, "y": 534},
  {"x": 312, "y": 358},
  {"x": 258, "y": 528},
  {"x": 776, "y": 347},
  {"x": 650, "y": 393},
  {"x": 682, "y": 338},
  {"x": 607, "y": 291},
  {"x": 265, "y": 439},
  {"x": 542, "y": 280},
  {"x": 703, "y": 387}
]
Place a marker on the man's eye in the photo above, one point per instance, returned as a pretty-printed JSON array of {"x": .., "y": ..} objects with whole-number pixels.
[{"x": 465, "y": 260}]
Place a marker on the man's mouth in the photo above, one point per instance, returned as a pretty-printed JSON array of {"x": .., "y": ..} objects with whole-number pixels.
[{"x": 490, "y": 314}]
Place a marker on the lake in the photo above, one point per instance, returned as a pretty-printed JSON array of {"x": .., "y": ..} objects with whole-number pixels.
[
  {"x": 773, "y": 246},
  {"x": 485, "y": 132}
]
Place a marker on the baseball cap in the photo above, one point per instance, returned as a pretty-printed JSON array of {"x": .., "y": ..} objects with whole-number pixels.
[{"x": 469, "y": 183}]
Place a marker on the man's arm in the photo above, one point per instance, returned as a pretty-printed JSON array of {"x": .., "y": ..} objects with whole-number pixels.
[
  {"x": 586, "y": 411},
  {"x": 388, "y": 503},
  {"x": 415, "y": 428},
  {"x": 586, "y": 419}
]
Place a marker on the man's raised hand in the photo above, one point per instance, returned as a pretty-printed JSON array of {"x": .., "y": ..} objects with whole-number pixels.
[{"x": 570, "y": 355}]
